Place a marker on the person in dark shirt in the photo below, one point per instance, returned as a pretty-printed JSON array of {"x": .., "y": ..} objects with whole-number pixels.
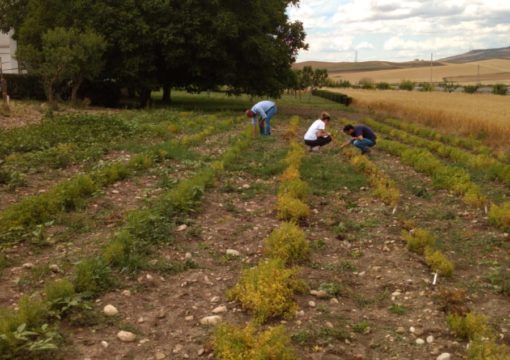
[{"x": 362, "y": 137}]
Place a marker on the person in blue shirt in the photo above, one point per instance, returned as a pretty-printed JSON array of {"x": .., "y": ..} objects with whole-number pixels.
[
  {"x": 264, "y": 110},
  {"x": 362, "y": 137}
]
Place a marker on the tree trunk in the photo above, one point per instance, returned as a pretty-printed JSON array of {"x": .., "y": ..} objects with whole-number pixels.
[
  {"x": 145, "y": 97},
  {"x": 74, "y": 90},
  {"x": 167, "y": 94}
]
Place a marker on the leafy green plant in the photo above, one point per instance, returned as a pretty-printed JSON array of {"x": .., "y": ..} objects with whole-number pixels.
[
  {"x": 418, "y": 240},
  {"x": 287, "y": 243},
  {"x": 438, "y": 262},
  {"x": 92, "y": 277},
  {"x": 290, "y": 208},
  {"x": 234, "y": 343},
  {"x": 267, "y": 290},
  {"x": 407, "y": 85},
  {"x": 397, "y": 309}
]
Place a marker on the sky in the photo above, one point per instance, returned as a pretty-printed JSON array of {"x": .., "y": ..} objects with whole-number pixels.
[{"x": 400, "y": 30}]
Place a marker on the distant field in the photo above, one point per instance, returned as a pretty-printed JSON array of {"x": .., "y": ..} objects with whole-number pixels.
[
  {"x": 334, "y": 67},
  {"x": 483, "y": 116},
  {"x": 491, "y": 71}
]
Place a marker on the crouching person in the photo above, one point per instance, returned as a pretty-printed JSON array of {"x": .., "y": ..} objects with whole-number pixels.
[
  {"x": 316, "y": 136},
  {"x": 362, "y": 137}
]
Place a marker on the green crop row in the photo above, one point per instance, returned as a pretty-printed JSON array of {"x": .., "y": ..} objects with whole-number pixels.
[
  {"x": 17, "y": 220},
  {"x": 26, "y": 333},
  {"x": 492, "y": 167},
  {"x": 267, "y": 290},
  {"x": 434, "y": 135}
]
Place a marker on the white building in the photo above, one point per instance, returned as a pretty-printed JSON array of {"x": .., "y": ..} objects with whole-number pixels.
[{"x": 7, "y": 54}]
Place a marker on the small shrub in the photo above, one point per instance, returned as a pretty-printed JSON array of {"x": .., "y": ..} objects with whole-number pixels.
[
  {"x": 470, "y": 327},
  {"x": 383, "y": 86},
  {"x": 426, "y": 87},
  {"x": 406, "y": 85},
  {"x": 499, "y": 215},
  {"x": 290, "y": 208},
  {"x": 418, "y": 240},
  {"x": 267, "y": 290},
  {"x": 291, "y": 173},
  {"x": 234, "y": 343},
  {"x": 295, "y": 188},
  {"x": 366, "y": 83},
  {"x": 92, "y": 277},
  {"x": 58, "y": 290},
  {"x": 438, "y": 262},
  {"x": 500, "y": 89},
  {"x": 397, "y": 309},
  {"x": 287, "y": 243},
  {"x": 470, "y": 89},
  {"x": 32, "y": 312}
]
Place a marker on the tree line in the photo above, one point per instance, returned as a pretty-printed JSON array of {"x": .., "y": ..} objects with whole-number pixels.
[{"x": 142, "y": 45}]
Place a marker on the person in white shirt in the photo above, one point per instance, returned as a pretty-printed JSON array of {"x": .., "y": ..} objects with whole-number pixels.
[
  {"x": 316, "y": 136},
  {"x": 265, "y": 110}
]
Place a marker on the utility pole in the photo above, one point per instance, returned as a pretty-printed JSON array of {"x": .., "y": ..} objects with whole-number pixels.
[
  {"x": 478, "y": 75},
  {"x": 431, "y": 66},
  {"x": 355, "y": 56}
]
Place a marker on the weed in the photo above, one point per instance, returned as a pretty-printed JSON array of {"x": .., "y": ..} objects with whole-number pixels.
[
  {"x": 499, "y": 215},
  {"x": 295, "y": 188},
  {"x": 92, "y": 277},
  {"x": 397, "y": 309},
  {"x": 332, "y": 289},
  {"x": 234, "y": 343},
  {"x": 500, "y": 279},
  {"x": 267, "y": 290},
  {"x": 287, "y": 243},
  {"x": 481, "y": 349},
  {"x": 362, "y": 327}
]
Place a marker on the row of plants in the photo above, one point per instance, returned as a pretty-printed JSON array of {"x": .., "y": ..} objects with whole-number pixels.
[
  {"x": 85, "y": 138},
  {"x": 492, "y": 167},
  {"x": 450, "y": 178},
  {"x": 32, "y": 330},
  {"x": 468, "y": 143},
  {"x": 382, "y": 186},
  {"x": 17, "y": 221},
  {"x": 333, "y": 96},
  {"x": 267, "y": 290}
]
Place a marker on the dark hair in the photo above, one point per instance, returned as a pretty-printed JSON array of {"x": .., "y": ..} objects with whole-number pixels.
[{"x": 347, "y": 128}]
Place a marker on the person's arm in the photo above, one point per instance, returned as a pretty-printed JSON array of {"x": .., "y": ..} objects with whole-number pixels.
[{"x": 322, "y": 133}]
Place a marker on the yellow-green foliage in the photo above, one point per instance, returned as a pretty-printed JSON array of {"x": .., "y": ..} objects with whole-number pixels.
[
  {"x": 58, "y": 290},
  {"x": 418, "y": 240},
  {"x": 499, "y": 215},
  {"x": 295, "y": 154},
  {"x": 438, "y": 262},
  {"x": 295, "y": 188},
  {"x": 287, "y": 243},
  {"x": 267, "y": 290},
  {"x": 481, "y": 349},
  {"x": 291, "y": 173},
  {"x": 472, "y": 326},
  {"x": 290, "y": 208},
  {"x": 234, "y": 343},
  {"x": 293, "y": 128},
  {"x": 383, "y": 187}
]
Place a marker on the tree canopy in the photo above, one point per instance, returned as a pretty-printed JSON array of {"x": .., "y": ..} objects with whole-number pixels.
[{"x": 245, "y": 46}]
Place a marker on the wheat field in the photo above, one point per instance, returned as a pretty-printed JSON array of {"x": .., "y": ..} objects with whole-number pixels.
[
  {"x": 483, "y": 116},
  {"x": 491, "y": 71}
]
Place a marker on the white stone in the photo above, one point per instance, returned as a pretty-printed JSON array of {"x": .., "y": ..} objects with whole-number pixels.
[
  {"x": 126, "y": 336},
  {"x": 311, "y": 303},
  {"x": 182, "y": 227},
  {"x": 233, "y": 252},
  {"x": 430, "y": 339},
  {"x": 104, "y": 344},
  {"x": 189, "y": 318},
  {"x": 177, "y": 348},
  {"x": 188, "y": 256},
  {"x": 444, "y": 356},
  {"x": 219, "y": 309},
  {"x": 149, "y": 277},
  {"x": 211, "y": 320},
  {"x": 110, "y": 310},
  {"x": 333, "y": 301},
  {"x": 28, "y": 265},
  {"x": 215, "y": 299},
  {"x": 412, "y": 329},
  {"x": 321, "y": 294},
  {"x": 55, "y": 268},
  {"x": 160, "y": 355},
  {"x": 126, "y": 292},
  {"x": 420, "y": 341}
]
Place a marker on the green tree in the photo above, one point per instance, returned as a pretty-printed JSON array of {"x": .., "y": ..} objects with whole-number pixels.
[{"x": 319, "y": 78}]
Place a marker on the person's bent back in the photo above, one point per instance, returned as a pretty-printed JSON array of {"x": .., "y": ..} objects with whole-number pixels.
[
  {"x": 362, "y": 137},
  {"x": 316, "y": 136},
  {"x": 264, "y": 110}
]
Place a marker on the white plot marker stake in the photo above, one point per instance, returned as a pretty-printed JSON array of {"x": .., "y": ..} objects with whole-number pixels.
[
  {"x": 486, "y": 210},
  {"x": 435, "y": 279},
  {"x": 394, "y": 211}
]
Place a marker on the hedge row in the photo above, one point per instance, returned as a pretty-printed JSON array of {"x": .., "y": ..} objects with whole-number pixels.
[{"x": 333, "y": 96}]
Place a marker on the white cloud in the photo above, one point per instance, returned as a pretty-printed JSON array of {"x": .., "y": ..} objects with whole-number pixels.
[{"x": 401, "y": 29}]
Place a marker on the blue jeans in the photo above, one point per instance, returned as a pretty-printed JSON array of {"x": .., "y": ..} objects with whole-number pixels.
[
  {"x": 266, "y": 129},
  {"x": 363, "y": 145}
]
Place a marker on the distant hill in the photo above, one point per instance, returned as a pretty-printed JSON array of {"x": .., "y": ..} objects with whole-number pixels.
[
  {"x": 479, "y": 55},
  {"x": 337, "y": 67}
]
